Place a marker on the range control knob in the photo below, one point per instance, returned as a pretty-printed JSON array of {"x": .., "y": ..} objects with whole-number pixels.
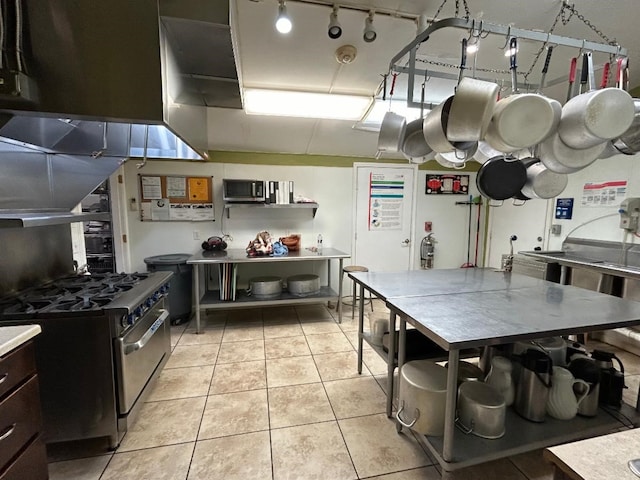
[
  {"x": 148, "y": 302},
  {"x": 131, "y": 318}
]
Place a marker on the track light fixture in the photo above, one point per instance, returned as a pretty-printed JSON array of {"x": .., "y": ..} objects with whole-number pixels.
[
  {"x": 283, "y": 22},
  {"x": 334, "y": 30},
  {"x": 369, "y": 34}
]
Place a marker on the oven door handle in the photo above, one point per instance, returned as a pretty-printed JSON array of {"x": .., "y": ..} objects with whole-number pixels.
[{"x": 133, "y": 347}]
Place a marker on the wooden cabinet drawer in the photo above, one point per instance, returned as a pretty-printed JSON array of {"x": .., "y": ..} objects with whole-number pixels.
[
  {"x": 31, "y": 464},
  {"x": 20, "y": 419},
  {"x": 16, "y": 366}
]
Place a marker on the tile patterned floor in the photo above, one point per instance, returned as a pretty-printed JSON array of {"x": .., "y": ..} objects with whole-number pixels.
[{"x": 274, "y": 394}]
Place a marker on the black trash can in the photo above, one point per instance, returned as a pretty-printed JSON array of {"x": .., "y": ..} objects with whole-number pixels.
[{"x": 180, "y": 286}]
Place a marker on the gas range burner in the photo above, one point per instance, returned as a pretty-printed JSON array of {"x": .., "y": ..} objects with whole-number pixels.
[
  {"x": 78, "y": 304},
  {"x": 21, "y": 306}
]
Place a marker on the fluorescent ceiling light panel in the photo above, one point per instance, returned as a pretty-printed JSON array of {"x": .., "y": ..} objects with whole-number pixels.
[
  {"x": 305, "y": 104},
  {"x": 375, "y": 116}
]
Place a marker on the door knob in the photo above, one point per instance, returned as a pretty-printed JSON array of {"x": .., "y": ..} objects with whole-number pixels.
[{"x": 406, "y": 241}]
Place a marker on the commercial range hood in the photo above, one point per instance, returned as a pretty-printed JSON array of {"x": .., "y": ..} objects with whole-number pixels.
[{"x": 86, "y": 85}]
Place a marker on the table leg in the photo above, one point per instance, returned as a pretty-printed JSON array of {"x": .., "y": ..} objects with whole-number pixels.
[
  {"x": 450, "y": 408},
  {"x": 391, "y": 360},
  {"x": 196, "y": 292},
  {"x": 340, "y": 275},
  {"x": 360, "y": 345}
]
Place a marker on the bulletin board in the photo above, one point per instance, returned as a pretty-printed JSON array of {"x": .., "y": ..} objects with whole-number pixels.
[{"x": 168, "y": 198}]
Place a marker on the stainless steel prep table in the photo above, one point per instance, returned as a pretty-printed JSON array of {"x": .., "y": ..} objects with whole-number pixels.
[
  {"x": 473, "y": 319},
  {"x": 211, "y": 299},
  {"x": 420, "y": 283}
]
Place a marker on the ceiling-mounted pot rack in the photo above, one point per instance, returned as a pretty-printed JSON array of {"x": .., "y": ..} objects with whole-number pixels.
[{"x": 480, "y": 27}]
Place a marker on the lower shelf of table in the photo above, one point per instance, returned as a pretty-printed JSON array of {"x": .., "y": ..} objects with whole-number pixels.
[
  {"x": 469, "y": 353},
  {"x": 523, "y": 436},
  {"x": 211, "y": 299}
]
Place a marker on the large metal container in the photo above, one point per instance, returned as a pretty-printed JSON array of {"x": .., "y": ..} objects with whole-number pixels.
[
  {"x": 303, "y": 285},
  {"x": 265, "y": 287},
  {"x": 422, "y": 397},
  {"x": 481, "y": 410}
]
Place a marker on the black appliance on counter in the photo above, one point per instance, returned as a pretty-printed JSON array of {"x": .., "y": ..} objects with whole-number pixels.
[{"x": 105, "y": 338}]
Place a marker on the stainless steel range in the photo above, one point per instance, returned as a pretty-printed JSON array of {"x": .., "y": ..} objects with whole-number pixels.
[{"x": 105, "y": 338}]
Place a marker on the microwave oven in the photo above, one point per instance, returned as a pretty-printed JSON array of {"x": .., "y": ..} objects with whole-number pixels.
[{"x": 244, "y": 191}]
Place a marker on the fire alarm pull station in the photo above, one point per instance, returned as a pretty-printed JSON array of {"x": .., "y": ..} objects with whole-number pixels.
[
  {"x": 629, "y": 212},
  {"x": 427, "y": 226}
]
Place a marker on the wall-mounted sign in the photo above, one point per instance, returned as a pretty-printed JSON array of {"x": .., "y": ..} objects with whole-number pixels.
[
  {"x": 564, "y": 208},
  {"x": 386, "y": 194},
  {"x": 604, "y": 194},
  {"x": 447, "y": 184}
]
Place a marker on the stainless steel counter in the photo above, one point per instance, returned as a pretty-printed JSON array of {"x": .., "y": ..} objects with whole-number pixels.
[
  {"x": 572, "y": 260},
  {"x": 211, "y": 299}
]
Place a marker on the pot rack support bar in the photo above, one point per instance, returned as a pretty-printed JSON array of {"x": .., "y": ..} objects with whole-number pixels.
[{"x": 484, "y": 27}]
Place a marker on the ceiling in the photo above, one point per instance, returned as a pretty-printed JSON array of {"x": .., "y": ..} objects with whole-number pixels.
[{"x": 304, "y": 60}]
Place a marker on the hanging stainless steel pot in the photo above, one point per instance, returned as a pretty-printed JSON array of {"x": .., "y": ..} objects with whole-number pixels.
[
  {"x": 596, "y": 116},
  {"x": 435, "y": 127},
  {"x": 629, "y": 142},
  {"x": 471, "y": 110},
  {"x": 392, "y": 131},
  {"x": 521, "y": 120},
  {"x": 560, "y": 158},
  {"x": 414, "y": 147},
  {"x": 485, "y": 152},
  {"x": 543, "y": 183}
]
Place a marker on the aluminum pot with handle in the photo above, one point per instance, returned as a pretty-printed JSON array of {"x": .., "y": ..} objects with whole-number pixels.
[
  {"x": 543, "y": 183},
  {"x": 596, "y": 116},
  {"x": 435, "y": 126},
  {"x": 521, "y": 120},
  {"x": 392, "y": 128},
  {"x": 414, "y": 147},
  {"x": 472, "y": 106},
  {"x": 561, "y": 158}
]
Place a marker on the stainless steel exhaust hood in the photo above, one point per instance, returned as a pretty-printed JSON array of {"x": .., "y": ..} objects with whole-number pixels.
[
  {"x": 84, "y": 66},
  {"x": 86, "y": 85}
]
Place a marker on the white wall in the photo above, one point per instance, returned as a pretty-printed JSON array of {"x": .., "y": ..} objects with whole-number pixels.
[{"x": 329, "y": 186}]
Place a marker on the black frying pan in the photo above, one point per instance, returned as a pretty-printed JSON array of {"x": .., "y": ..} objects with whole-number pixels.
[
  {"x": 501, "y": 177},
  {"x": 526, "y": 162}
]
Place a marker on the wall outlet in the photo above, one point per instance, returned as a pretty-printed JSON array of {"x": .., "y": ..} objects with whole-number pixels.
[{"x": 196, "y": 235}]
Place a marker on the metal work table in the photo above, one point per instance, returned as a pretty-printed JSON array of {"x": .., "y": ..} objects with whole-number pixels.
[
  {"x": 476, "y": 310},
  {"x": 211, "y": 299},
  {"x": 421, "y": 283}
]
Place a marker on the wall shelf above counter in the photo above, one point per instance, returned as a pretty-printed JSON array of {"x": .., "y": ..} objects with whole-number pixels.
[{"x": 229, "y": 206}]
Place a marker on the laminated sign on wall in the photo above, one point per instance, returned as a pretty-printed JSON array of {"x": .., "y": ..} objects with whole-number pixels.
[
  {"x": 386, "y": 192},
  {"x": 604, "y": 194}
]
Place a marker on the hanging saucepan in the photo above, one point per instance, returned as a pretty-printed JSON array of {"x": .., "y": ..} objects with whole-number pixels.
[
  {"x": 501, "y": 177},
  {"x": 484, "y": 152},
  {"x": 629, "y": 141},
  {"x": 595, "y": 116},
  {"x": 458, "y": 158},
  {"x": 542, "y": 182},
  {"x": 560, "y": 158},
  {"x": 414, "y": 147},
  {"x": 456, "y": 163},
  {"x": 392, "y": 129},
  {"x": 472, "y": 106},
  {"x": 522, "y": 119},
  {"x": 520, "y": 198},
  {"x": 435, "y": 126}
]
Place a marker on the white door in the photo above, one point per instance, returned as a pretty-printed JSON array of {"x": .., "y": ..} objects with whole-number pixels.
[{"x": 384, "y": 205}]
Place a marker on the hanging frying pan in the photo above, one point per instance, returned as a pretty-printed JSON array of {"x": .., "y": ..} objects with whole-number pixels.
[
  {"x": 522, "y": 119},
  {"x": 541, "y": 182},
  {"x": 501, "y": 177}
]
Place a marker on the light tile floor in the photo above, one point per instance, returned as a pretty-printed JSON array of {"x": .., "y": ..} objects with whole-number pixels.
[{"x": 273, "y": 394}]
